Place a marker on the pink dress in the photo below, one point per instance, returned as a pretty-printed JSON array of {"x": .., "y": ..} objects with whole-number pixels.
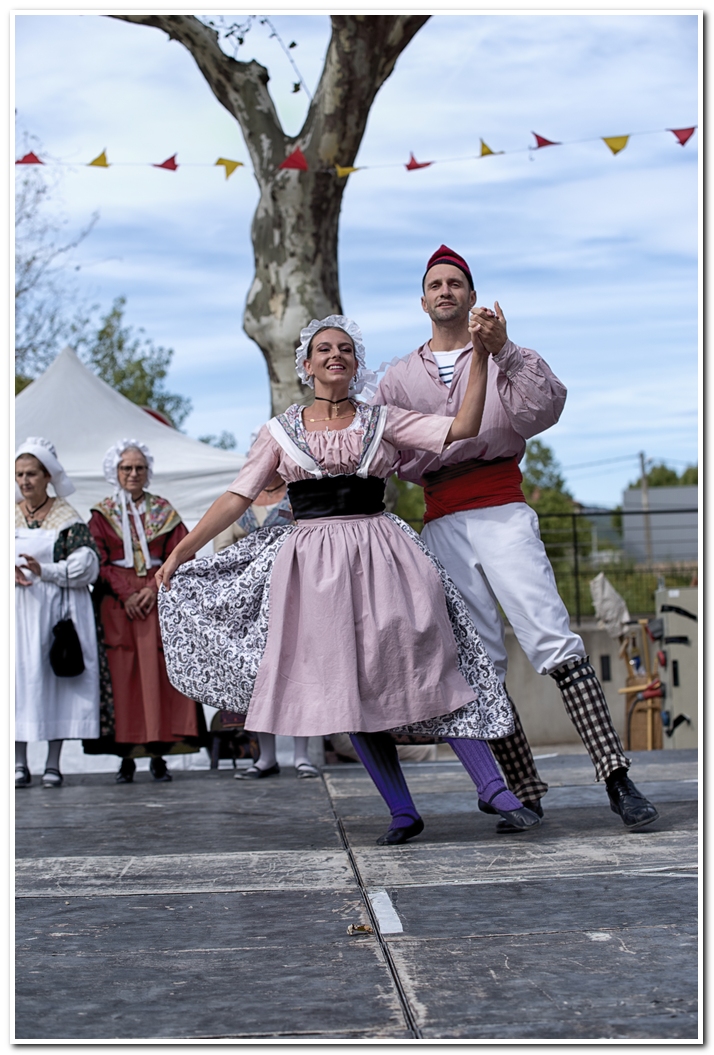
[{"x": 335, "y": 624}]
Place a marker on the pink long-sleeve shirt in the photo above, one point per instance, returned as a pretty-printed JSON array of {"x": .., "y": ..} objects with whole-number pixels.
[{"x": 523, "y": 399}]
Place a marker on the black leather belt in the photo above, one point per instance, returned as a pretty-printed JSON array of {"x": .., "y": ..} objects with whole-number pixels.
[{"x": 336, "y": 496}]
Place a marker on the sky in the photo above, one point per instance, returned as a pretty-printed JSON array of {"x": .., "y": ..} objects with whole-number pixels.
[{"x": 593, "y": 257}]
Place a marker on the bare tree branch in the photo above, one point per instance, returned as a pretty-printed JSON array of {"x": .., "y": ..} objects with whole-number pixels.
[
  {"x": 242, "y": 87},
  {"x": 295, "y": 227}
]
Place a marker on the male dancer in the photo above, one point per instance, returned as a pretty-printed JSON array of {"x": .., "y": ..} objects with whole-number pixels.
[{"x": 479, "y": 526}]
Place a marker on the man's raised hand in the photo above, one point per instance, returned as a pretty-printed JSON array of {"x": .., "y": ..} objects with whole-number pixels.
[{"x": 488, "y": 327}]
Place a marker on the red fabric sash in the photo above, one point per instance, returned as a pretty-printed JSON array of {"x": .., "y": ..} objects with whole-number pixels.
[{"x": 473, "y": 488}]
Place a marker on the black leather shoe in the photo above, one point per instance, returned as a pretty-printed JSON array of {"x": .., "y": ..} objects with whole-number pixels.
[
  {"x": 636, "y": 811},
  {"x": 256, "y": 773},
  {"x": 520, "y": 820},
  {"x": 23, "y": 777},
  {"x": 159, "y": 770},
  {"x": 396, "y": 836},
  {"x": 534, "y": 806},
  {"x": 126, "y": 771}
]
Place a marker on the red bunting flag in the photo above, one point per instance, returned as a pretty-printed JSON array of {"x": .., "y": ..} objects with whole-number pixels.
[
  {"x": 170, "y": 164},
  {"x": 414, "y": 164},
  {"x": 296, "y": 160},
  {"x": 542, "y": 142},
  {"x": 683, "y": 134},
  {"x": 29, "y": 159}
]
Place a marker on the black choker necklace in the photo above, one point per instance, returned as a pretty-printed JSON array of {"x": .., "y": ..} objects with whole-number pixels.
[
  {"x": 31, "y": 512},
  {"x": 335, "y": 402}
]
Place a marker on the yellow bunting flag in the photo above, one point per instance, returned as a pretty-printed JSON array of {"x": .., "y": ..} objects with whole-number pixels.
[
  {"x": 100, "y": 161},
  {"x": 229, "y": 166},
  {"x": 344, "y": 170},
  {"x": 616, "y": 143},
  {"x": 485, "y": 150}
]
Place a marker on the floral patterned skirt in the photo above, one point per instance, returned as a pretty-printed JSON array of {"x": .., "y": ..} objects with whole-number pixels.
[{"x": 224, "y": 646}]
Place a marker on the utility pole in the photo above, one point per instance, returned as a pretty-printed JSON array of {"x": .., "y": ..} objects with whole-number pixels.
[{"x": 646, "y": 507}]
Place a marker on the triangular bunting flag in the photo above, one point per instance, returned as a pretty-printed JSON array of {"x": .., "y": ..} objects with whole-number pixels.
[
  {"x": 229, "y": 166},
  {"x": 485, "y": 151},
  {"x": 296, "y": 160},
  {"x": 542, "y": 142},
  {"x": 682, "y": 134},
  {"x": 616, "y": 143},
  {"x": 29, "y": 159},
  {"x": 100, "y": 161},
  {"x": 170, "y": 164},
  {"x": 344, "y": 170},
  {"x": 414, "y": 164}
]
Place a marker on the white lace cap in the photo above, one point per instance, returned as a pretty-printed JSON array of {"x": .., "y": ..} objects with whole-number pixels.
[
  {"x": 113, "y": 457},
  {"x": 46, "y": 454},
  {"x": 336, "y": 322}
]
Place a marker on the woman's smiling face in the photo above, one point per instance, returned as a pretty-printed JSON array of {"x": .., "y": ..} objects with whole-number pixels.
[{"x": 331, "y": 357}]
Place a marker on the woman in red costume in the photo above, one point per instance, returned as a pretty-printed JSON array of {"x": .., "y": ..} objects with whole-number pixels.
[{"x": 135, "y": 531}]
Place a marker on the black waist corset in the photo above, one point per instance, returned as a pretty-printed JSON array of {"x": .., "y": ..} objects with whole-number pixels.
[{"x": 336, "y": 496}]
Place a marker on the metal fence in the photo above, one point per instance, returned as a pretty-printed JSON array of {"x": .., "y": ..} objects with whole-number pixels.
[{"x": 638, "y": 551}]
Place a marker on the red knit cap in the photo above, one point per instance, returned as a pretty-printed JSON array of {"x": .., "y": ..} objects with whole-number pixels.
[{"x": 444, "y": 255}]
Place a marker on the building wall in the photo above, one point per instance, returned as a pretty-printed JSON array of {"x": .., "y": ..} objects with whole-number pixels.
[
  {"x": 673, "y": 535},
  {"x": 536, "y": 696}
]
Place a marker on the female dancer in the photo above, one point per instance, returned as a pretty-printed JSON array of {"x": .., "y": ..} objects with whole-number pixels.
[{"x": 342, "y": 621}]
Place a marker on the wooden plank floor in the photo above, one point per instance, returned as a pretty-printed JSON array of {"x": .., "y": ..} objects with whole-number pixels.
[{"x": 213, "y": 908}]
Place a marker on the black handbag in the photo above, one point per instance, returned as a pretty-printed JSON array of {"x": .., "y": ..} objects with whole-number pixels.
[{"x": 66, "y": 657}]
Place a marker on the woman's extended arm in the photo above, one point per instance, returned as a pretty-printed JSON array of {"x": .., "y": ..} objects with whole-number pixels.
[
  {"x": 224, "y": 511},
  {"x": 468, "y": 420}
]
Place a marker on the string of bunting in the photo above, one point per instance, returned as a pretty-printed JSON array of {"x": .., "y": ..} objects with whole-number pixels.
[{"x": 297, "y": 160}]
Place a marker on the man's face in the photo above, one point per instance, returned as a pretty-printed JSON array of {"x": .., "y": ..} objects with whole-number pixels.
[{"x": 447, "y": 294}]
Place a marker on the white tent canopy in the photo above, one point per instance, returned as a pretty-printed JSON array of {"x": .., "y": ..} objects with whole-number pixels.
[{"x": 83, "y": 417}]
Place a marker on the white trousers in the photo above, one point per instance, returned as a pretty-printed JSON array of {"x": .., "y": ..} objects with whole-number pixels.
[{"x": 496, "y": 555}]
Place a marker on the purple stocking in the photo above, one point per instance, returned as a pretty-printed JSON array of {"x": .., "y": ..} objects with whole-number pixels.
[
  {"x": 476, "y": 758},
  {"x": 378, "y": 754}
]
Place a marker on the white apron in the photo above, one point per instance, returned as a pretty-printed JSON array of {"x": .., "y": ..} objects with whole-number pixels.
[{"x": 48, "y": 707}]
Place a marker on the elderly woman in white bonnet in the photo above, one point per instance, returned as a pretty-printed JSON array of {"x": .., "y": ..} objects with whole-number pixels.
[
  {"x": 135, "y": 531},
  {"x": 55, "y": 562}
]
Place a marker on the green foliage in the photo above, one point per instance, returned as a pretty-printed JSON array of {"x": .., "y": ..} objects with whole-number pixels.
[
  {"x": 541, "y": 471},
  {"x": 410, "y": 503},
  {"x": 21, "y": 381},
  {"x": 225, "y": 442},
  {"x": 130, "y": 363},
  {"x": 661, "y": 475},
  {"x": 545, "y": 491}
]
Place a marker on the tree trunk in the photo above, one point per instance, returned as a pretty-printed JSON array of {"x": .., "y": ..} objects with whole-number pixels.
[{"x": 295, "y": 227}]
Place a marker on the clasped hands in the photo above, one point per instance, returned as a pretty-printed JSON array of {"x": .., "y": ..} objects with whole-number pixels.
[
  {"x": 139, "y": 604},
  {"x": 488, "y": 328},
  {"x": 32, "y": 565}
]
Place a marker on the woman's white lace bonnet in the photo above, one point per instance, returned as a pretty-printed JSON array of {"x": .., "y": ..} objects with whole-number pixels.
[{"x": 337, "y": 322}]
